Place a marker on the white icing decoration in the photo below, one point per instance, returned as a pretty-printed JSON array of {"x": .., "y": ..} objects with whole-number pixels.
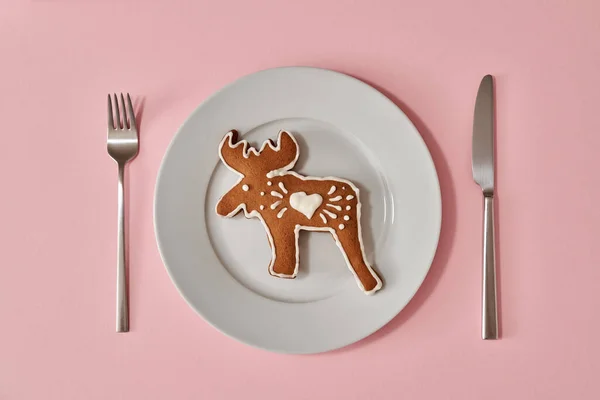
[
  {"x": 277, "y": 194},
  {"x": 281, "y": 212},
  {"x": 346, "y": 218},
  {"x": 331, "y": 215},
  {"x": 274, "y": 205},
  {"x": 278, "y": 172},
  {"x": 245, "y": 188},
  {"x": 283, "y": 189},
  {"x": 298, "y": 228},
  {"x": 262, "y": 207},
  {"x": 269, "y": 183},
  {"x": 349, "y": 197},
  {"x": 305, "y": 204},
  {"x": 341, "y": 227},
  {"x": 336, "y": 198},
  {"x": 348, "y": 207},
  {"x": 331, "y": 190},
  {"x": 323, "y": 218},
  {"x": 262, "y": 193},
  {"x": 334, "y": 206}
]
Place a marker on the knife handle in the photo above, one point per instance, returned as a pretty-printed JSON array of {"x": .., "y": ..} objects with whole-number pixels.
[{"x": 489, "y": 311}]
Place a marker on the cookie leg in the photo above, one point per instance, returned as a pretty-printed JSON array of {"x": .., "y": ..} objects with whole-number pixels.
[
  {"x": 283, "y": 264},
  {"x": 349, "y": 241}
]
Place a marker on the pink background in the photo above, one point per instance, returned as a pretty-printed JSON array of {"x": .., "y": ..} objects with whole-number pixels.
[{"x": 58, "y": 205}]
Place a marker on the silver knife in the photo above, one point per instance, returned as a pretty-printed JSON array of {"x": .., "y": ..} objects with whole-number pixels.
[{"x": 483, "y": 174}]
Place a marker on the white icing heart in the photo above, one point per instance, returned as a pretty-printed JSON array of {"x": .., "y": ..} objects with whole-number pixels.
[{"x": 305, "y": 204}]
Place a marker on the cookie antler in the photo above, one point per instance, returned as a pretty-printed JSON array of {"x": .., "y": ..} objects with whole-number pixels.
[
  {"x": 244, "y": 159},
  {"x": 281, "y": 157},
  {"x": 233, "y": 153}
]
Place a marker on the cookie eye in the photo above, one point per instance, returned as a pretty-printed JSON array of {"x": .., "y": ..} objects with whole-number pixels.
[{"x": 245, "y": 188}]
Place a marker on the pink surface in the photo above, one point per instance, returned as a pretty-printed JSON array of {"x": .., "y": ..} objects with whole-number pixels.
[{"x": 58, "y": 207}]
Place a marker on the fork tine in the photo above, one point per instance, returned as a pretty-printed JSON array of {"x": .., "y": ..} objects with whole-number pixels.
[
  {"x": 122, "y": 105},
  {"x": 118, "y": 121},
  {"x": 111, "y": 121},
  {"x": 131, "y": 114}
]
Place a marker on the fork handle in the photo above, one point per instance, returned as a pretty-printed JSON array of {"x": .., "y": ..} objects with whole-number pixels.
[
  {"x": 122, "y": 301},
  {"x": 489, "y": 314}
]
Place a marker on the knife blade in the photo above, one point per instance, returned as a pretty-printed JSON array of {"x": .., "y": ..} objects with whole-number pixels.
[
  {"x": 483, "y": 174},
  {"x": 483, "y": 136}
]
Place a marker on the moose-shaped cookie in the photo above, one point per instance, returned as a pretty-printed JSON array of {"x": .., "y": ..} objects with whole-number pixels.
[{"x": 287, "y": 202}]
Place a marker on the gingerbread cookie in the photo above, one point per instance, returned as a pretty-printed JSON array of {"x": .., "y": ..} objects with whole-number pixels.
[{"x": 287, "y": 202}]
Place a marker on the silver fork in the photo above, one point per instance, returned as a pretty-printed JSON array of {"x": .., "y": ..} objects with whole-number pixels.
[{"x": 123, "y": 146}]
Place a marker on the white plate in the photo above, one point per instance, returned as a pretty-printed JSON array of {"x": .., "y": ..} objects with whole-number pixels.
[{"x": 345, "y": 128}]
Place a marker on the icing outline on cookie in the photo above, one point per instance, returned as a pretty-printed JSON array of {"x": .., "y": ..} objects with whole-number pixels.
[{"x": 246, "y": 151}]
